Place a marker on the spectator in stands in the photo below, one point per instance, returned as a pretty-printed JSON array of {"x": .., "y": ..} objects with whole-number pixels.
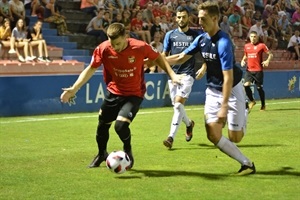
[
  {"x": 257, "y": 27},
  {"x": 224, "y": 25},
  {"x": 296, "y": 17},
  {"x": 164, "y": 24},
  {"x": 269, "y": 38},
  {"x": 267, "y": 12},
  {"x": 5, "y": 33},
  {"x": 247, "y": 21},
  {"x": 284, "y": 26},
  {"x": 254, "y": 72},
  {"x": 52, "y": 15},
  {"x": 5, "y": 11},
  {"x": 137, "y": 28},
  {"x": 293, "y": 45},
  {"x": 113, "y": 6},
  {"x": 147, "y": 14},
  {"x": 95, "y": 27},
  {"x": 36, "y": 39},
  {"x": 106, "y": 19},
  {"x": 235, "y": 24},
  {"x": 156, "y": 28},
  {"x": 257, "y": 16},
  {"x": 18, "y": 12},
  {"x": 89, "y": 7},
  {"x": 156, "y": 9},
  {"x": 37, "y": 9},
  {"x": 18, "y": 40},
  {"x": 126, "y": 19},
  {"x": 156, "y": 44}
]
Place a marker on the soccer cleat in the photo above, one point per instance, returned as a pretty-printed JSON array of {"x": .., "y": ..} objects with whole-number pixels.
[
  {"x": 98, "y": 160},
  {"x": 263, "y": 108},
  {"x": 129, "y": 153},
  {"x": 189, "y": 131},
  {"x": 168, "y": 142},
  {"x": 251, "y": 105},
  {"x": 246, "y": 170}
]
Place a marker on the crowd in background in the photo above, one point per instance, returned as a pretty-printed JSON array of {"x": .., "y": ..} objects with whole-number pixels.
[{"x": 274, "y": 20}]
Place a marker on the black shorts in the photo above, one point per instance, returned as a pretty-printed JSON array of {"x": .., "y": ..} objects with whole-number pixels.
[
  {"x": 115, "y": 105},
  {"x": 255, "y": 77}
]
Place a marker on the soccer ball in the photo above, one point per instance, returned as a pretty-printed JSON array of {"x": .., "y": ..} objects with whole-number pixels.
[{"x": 118, "y": 162}]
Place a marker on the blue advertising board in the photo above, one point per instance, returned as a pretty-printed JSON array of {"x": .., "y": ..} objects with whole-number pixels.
[{"x": 34, "y": 95}]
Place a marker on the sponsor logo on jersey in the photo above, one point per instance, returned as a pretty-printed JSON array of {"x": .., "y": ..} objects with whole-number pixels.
[
  {"x": 131, "y": 59},
  {"x": 113, "y": 57}
]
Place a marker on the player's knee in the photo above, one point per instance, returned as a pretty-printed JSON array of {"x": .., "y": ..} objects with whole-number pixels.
[
  {"x": 177, "y": 105},
  {"x": 102, "y": 125},
  {"x": 122, "y": 129},
  {"x": 235, "y": 136},
  {"x": 247, "y": 84}
]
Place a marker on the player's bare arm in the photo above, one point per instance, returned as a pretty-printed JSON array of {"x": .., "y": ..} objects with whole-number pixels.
[
  {"x": 163, "y": 63},
  {"x": 201, "y": 72},
  {"x": 267, "y": 62},
  {"x": 243, "y": 62},
  {"x": 70, "y": 92},
  {"x": 178, "y": 58},
  {"x": 226, "y": 91}
]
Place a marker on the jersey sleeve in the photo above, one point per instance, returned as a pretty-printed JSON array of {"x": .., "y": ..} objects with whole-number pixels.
[
  {"x": 167, "y": 44},
  {"x": 193, "y": 48},
  {"x": 225, "y": 54},
  {"x": 265, "y": 48},
  {"x": 96, "y": 60},
  {"x": 151, "y": 52}
]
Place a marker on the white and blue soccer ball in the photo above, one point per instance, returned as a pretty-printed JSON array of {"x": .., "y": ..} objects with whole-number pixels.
[{"x": 118, "y": 162}]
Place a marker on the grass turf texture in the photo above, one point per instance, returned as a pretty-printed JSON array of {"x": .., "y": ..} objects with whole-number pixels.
[{"x": 45, "y": 157}]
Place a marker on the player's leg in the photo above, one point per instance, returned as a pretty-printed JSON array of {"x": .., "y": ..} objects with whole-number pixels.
[
  {"x": 259, "y": 87},
  {"x": 173, "y": 127},
  {"x": 130, "y": 107},
  {"x": 237, "y": 114},
  {"x": 107, "y": 114},
  {"x": 214, "y": 129},
  {"x": 248, "y": 80},
  {"x": 183, "y": 93}
]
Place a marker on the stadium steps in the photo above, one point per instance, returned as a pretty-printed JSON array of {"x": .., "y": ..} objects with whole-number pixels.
[{"x": 13, "y": 67}]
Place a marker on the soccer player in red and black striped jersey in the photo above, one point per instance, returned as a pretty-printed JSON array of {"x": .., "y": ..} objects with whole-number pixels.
[
  {"x": 254, "y": 72},
  {"x": 123, "y": 72}
]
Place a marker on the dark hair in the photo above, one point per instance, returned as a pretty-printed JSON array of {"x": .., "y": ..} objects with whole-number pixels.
[
  {"x": 212, "y": 8},
  {"x": 182, "y": 9},
  {"x": 115, "y": 30}
]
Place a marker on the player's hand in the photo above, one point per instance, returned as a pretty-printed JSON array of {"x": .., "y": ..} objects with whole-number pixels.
[
  {"x": 200, "y": 73},
  {"x": 243, "y": 63},
  {"x": 265, "y": 63},
  {"x": 178, "y": 78},
  {"x": 68, "y": 95},
  {"x": 222, "y": 116}
]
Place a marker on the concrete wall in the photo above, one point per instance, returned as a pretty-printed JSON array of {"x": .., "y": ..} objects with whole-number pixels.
[{"x": 33, "y": 95}]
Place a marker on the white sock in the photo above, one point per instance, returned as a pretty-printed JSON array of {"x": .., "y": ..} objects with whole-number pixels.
[
  {"x": 245, "y": 123},
  {"x": 185, "y": 118},
  {"x": 176, "y": 120},
  {"x": 233, "y": 151}
]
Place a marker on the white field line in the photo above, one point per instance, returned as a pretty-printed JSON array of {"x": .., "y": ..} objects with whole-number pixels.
[{"x": 33, "y": 119}]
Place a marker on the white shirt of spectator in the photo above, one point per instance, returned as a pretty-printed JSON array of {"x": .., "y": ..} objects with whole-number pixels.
[{"x": 293, "y": 40}]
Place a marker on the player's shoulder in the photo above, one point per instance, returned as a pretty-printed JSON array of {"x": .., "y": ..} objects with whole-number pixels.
[{"x": 136, "y": 43}]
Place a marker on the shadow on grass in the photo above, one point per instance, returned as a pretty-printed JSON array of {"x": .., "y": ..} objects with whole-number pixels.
[
  {"x": 283, "y": 109},
  {"x": 284, "y": 171},
  {"x": 168, "y": 173},
  {"x": 210, "y": 146}
]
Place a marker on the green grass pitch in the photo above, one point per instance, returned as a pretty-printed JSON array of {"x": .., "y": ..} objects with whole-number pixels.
[{"x": 45, "y": 157}]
